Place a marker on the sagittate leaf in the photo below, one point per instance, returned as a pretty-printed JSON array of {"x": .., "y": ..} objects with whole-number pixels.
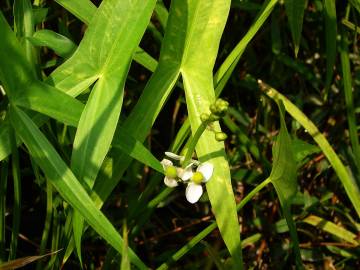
[
  {"x": 64, "y": 180},
  {"x": 295, "y": 13},
  {"x": 283, "y": 177},
  {"x": 110, "y": 42},
  {"x": 349, "y": 183},
  {"x": 206, "y": 21}
]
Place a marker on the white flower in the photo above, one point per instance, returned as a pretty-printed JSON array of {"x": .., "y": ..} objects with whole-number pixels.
[
  {"x": 194, "y": 190},
  {"x": 171, "y": 173}
]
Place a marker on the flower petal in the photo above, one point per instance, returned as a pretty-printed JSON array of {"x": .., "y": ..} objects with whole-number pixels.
[
  {"x": 207, "y": 170},
  {"x": 185, "y": 174},
  {"x": 193, "y": 192},
  {"x": 166, "y": 163},
  {"x": 170, "y": 182},
  {"x": 174, "y": 156}
]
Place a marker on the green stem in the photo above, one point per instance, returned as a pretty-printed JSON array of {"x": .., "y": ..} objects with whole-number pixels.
[
  {"x": 193, "y": 142},
  {"x": 253, "y": 193}
]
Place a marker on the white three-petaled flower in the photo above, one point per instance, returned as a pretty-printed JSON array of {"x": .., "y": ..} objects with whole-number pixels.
[
  {"x": 173, "y": 174},
  {"x": 194, "y": 190}
]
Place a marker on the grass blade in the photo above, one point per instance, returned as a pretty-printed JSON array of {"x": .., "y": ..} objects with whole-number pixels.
[
  {"x": 330, "y": 37},
  {"x": 295, "y": 13},
  {"x": 15, "y": 70},
  {"x": 24, "y": 28},
  {"x": 332, "y": 228},
  {"x": 349, "y": 99},
  {"x": 64, "y": 180},
  {"x": 21, "y": 262},
  {"x": 223, "y": 74},
  {"x": 15, "y": 165}
]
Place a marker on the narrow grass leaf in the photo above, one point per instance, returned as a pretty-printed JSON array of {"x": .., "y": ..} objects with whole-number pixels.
[
  {"x": 64, "y": 180},
  {"x": 295, "y": 13},
  {"x": 15, "y": 69},
  {"x": 332, "y": 228},
  {"x": 283, "y": 177},
  {"x": 21, "y": 262},
  {"x": 16, "y": 210},
  {"x": 162, "y": 14},
  {"x": 330, "y": 37},
  {"x": 60, "y": 44},
  {"x": 349, "y": 99},
  {"x": 24, "y": 27},
  {"x": 223, "y": 74}
]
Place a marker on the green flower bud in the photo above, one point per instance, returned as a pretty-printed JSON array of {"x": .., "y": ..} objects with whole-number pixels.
[
  {"x": 204, "y": 117},
  {"x": 213, "y": 108},
  {"x": 213, "y": 117},
  {"x": 197, "y": 178},
  {"x": 220, "y": 136},
  {"x": 219, "y": 107},
  {"x": 171, "y": 172}
]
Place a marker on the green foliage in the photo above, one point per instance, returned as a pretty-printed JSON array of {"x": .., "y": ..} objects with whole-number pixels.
[{"x": 93, "y": 93}]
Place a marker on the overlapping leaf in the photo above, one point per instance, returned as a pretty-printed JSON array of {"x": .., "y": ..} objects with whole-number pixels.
[{"x": 64, "y": 180}]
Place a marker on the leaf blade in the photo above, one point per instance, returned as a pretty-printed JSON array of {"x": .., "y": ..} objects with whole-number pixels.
[
  {"x": 295, "y": 12},
  {"x": 64, "y": 180}
]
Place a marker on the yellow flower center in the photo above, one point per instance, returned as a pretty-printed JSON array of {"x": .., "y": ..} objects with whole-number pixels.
[
  {"x": 171, "y": 172},
  {"x": 197, "y": 177}
]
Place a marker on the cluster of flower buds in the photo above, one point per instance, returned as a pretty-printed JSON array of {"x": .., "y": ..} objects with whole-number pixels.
[{"x": 218, "y": 110}]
